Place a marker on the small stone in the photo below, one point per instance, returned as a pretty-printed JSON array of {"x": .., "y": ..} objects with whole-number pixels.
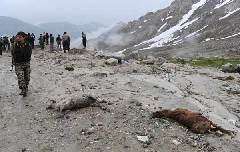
[
  {"x": 110, "y": 103},
  {"x": 61, "y": 134},
  {"x": 100, "y": 124},
  {"x": 143, "y": 139},
  {"x": 145, "y": 145},
  {"x": 175, "y": 142},
  {"x": 138, "y": 104},
  {"x": 112, "y": 62},
  {"x": 194, "y": 144},
  {"x": 90, "y": 131},
  {"x": 69, "y": 68},
  {"x": 219, "y": 133}
]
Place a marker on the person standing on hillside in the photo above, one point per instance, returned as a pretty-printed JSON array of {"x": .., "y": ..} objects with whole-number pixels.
[
  {"x": 51, "y": 42},
  {"x": 66, "y": 42},
  {"x": 21, "y": 55},
  {"x": 59, "y": 41},
  {"x": 47, "y": 39},
  {"x": 41, "y": 41},
  {"x": 32, "y": 40},
  {"x": 6, "y": 43},
  {"x": 84, "y": 40},
  {"x": 1, "y": 45}
]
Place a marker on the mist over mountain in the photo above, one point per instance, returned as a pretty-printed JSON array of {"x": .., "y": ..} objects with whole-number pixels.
[
  {"x": 185, "y": 28},
  {"x": 73, "y": 30},
  {"x": 10, "y": 26}
]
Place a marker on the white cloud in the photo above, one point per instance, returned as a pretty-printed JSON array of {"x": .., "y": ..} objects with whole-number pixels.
[{"x": 79, "y": 11}]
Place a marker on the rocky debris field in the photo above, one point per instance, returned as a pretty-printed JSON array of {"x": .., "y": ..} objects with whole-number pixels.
[{"x": 116, "y": 114}]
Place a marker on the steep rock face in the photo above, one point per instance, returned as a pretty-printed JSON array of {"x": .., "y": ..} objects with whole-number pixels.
[{"x": 185, "y": 28}]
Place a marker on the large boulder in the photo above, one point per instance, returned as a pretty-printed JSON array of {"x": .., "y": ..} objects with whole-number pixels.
[
  {"x": 230, "y": 68},
  {"x": 112, "y": 62}
]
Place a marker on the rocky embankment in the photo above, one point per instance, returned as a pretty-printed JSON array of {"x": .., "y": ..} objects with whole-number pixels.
[{"x": 123, "y": 99}]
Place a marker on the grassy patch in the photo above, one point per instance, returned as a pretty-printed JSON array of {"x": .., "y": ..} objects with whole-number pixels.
[
  {"x": 214, "y": 62},
  {"x": 208, "y": 62}
]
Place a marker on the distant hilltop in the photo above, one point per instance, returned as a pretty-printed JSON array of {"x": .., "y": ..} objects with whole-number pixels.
[{"x": 10, "y": 26}]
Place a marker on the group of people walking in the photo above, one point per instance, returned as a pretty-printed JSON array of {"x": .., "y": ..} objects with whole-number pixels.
[
  {"x": 21, "y": 48},
  {"x": 62, "y": 42},
  {"x": 4, "y": 44}
]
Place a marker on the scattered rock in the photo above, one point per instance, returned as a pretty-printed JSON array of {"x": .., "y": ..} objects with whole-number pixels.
[
  {"x": 100, "y": 124},
  {"x": 135, "y": 55},
  {"x": 149, "y": 61},
  {"x": 143, "y": 139},
  {"x": 230, "y": 68},
  {"x": 138, "y": 104},
  {"x": 69, "y": 68},
  {"x": 61, "y": 134},
  {"x": 77, "y": 51},
  {"x": 100, "y": 74},
  {"x": 176, "y": 142},
  {"x": 225, "y": 78},
  {"x": 112, "y": 62}
]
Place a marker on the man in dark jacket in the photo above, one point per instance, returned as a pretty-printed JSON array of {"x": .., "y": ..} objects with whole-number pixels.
[
  {"x": 51, "y": 42},
  {"x": 84, "y": 40},
  {"x": 59, "y": 41},
  {"x": 47, "y": 39},
  {"x": 1, "y": 45},
  {"x": 21, "y": 55}
]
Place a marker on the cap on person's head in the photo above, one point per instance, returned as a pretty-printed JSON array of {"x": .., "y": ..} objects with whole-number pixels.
[
  {"x": 65, "y": 33},
  {"x": 21, "y": 34},
  {"x": 50, "y": 34}
]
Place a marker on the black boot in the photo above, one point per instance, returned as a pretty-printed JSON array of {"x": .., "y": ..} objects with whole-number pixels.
[{"x": 23, "y": 93}]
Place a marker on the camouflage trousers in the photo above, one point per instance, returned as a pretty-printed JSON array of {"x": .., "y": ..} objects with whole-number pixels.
[{"x": 23, "y": 74}]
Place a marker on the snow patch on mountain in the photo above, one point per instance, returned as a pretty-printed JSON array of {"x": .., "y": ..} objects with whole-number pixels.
[
  {"x": 229, "y": 14},
  {"x": 196, "y": 32},
  {"x": 167, "y": 36},
  {"x": 224, "y": 2},
  {"x": 162, "y": 27}
]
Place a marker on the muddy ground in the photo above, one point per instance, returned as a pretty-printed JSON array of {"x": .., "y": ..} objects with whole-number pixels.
[{"x": 130, "y": 93}]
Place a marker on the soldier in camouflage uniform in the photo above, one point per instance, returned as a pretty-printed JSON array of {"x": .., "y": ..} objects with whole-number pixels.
[{"x": 21, "y": 54}]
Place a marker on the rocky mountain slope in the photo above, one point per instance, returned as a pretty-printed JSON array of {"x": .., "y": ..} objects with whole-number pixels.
[{"x": 185, "y": 28}]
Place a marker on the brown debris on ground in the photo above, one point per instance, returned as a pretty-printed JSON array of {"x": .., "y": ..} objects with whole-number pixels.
[{"x": 196, "y": 122}]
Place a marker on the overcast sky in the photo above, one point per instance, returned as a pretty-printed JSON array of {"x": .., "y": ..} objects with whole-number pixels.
[{"x": 79, "y": 11}]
